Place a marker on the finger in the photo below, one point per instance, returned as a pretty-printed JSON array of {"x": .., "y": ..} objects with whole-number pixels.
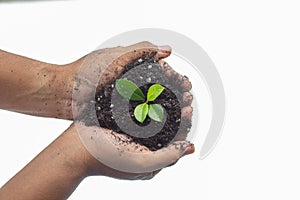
[
  {"x": 140, "y": 52},
  {"x": 118, "y": 154},
  {"x": 170, "y": 154},
  {"x": 165, "y": 156},
  {"x": 134, "y": 176},
  {"x": 146, "y": 48},
  {"x": 148, "y": 176},
  {"x": 185, "y": 125},
  {"x": 167, "y": 69},
  {"x": 187, "y": 98},
  {"x": 187, "y": 112},
  {"x": 134, "y": 54},
  {"x": 180, "y": 137},
  {"x": 186, "y": 85}
]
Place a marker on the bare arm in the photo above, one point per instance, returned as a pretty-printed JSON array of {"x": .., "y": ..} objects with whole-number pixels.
[
  {"x": 53, "y": 174},
  {"x": 33, "y": 87},
  {"x": 56, "y": 172},
  {"x": 42, "y": 89}
]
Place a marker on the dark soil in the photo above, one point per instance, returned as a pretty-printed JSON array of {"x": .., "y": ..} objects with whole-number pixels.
[{"x": 116, "y": 113}]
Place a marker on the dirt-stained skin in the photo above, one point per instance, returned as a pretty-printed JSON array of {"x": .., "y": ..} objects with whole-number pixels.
[{"x": 109, "y": 64}]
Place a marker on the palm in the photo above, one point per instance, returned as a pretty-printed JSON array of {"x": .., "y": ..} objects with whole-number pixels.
[{"x": 122, "y": 154}]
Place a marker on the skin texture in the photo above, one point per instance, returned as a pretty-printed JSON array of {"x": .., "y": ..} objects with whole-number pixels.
[
  {"x": 48, "y": 92},
  {"x": 53, "y": 174},
  {"x": 98, "y": 140},
  {"x": 58, "y": 170},
  {"x": 47, "y": 88}
]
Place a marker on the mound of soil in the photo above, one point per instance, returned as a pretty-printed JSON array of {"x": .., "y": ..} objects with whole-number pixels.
[{"x": 116, "y": 113}]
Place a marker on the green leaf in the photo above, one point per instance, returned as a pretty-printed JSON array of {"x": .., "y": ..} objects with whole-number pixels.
[
  {"x": 156, "y": 112},
  {"x": 140, "y": 112},
  {"x": 154, "y": 91},
  {"x": 129, "y": 90}
]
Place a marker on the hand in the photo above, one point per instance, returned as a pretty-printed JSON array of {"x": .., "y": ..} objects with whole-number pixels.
[
  {"x": 136, "y": 160},
  {"x": 66, "y": 161},
  {"x": 100, "y": 67},
  {"x": 108, "y": 64}
]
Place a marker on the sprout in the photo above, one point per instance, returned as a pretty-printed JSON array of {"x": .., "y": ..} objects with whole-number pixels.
[{"x": 131, "y": 91}]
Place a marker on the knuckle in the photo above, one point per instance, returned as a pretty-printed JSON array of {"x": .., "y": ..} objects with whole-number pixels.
[{"x": 145, "y": 44}]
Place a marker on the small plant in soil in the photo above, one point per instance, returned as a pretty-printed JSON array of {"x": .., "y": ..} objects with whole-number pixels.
[
  {"x": 131, "y": 91},
  {"x": 154, "y": 107}
]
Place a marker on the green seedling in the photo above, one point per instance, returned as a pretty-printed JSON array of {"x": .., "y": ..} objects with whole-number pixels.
[{"x": 131, "y": 91}]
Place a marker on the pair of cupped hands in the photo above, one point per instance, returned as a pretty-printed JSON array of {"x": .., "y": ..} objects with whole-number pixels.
[{"x": 110, "y": 63}]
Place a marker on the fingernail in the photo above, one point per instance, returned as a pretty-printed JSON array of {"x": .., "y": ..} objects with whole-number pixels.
[
  {"x": 189, "y": 150},
  {"x": 165, "y": 48}
]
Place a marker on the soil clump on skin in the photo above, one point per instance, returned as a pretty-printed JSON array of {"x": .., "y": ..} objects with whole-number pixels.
[{"x": 116, "y": 113}]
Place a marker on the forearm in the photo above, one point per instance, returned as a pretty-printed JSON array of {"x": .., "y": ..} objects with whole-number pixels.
[
  {"x": 53, "y": 174},
  {"x": 33, "y": 87}
]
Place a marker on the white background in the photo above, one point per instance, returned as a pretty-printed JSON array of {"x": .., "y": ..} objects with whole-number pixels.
[{"x": 255, "y": 46}]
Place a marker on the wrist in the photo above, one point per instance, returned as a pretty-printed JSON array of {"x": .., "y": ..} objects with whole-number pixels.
[
  {"x": 53, "y": 174},
  {"x": 53, "y": 94},
  {"x": 79, "y": 158},
  {"x": 61, "y": 89},
  {"x": 58, "y": 90},
  {"x": 76, "y": 157}
]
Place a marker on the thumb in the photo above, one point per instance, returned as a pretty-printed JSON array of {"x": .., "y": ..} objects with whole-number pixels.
[
  {"x": 169, "y": 155},
  {"x": 144, "y": 50},
  {"x": 152, "y": 161},
  {"x": 118, "y": 153},
  {"x": 132, "y": 54},
  {"x": 145, "y": 47}
]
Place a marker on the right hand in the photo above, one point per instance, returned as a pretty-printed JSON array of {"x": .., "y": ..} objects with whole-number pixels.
[{"x": 115, "y": 158}]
